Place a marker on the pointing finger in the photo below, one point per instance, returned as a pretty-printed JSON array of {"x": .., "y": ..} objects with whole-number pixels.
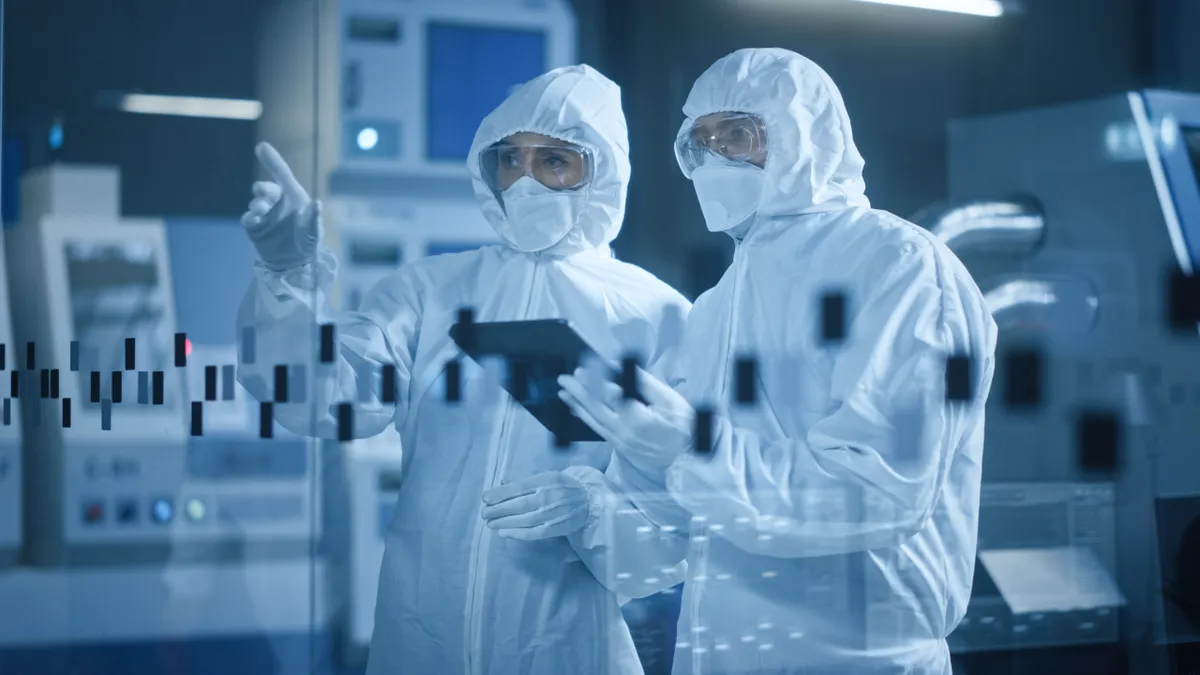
[{"x": 269, "y": 157}]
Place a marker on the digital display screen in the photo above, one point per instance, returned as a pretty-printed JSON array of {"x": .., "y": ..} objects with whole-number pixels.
[
  {"x": 471, "y": 70},
  {"x": 115, "y": 293},
  {"x": 375, "y": 254}
]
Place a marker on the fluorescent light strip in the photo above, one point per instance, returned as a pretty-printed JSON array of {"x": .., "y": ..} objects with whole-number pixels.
[
  {"x": 990, "y": 8},
  {"x": 191, "y": 106}
]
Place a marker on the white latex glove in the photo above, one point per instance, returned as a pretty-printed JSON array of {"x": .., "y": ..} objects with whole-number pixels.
[
  {"x": 651, "y": 435},
  {"x": 283, "y": 221},
  {"x": 549, "y": 504}
]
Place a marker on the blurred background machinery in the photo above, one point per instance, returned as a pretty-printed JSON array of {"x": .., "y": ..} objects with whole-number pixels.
[{"x": 1082, "y": 268}]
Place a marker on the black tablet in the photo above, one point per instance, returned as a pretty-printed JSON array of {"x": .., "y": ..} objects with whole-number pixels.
[{"x": 537, "y": 352}]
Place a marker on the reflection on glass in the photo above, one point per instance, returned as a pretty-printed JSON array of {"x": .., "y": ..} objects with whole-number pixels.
[
  {"x": 115, "y": 293},
  {"x": 991, "y": 226},
  {"x": 1057, "y": 305},
  {"x": 1122, "y": 141}
]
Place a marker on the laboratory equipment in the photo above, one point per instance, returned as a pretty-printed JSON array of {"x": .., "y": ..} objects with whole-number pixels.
[
  {"x": 410, "y": 83},
  {"x": 415, "y": 79},
  {"x": 377, "y": 235},
  {"x": 204, "y": 543},
  {"x": 1178, "y": 521},
  {"x": 103, "y": 450},
  {"x": 128, "y": 461},
  {"x": 252, "y": 494},
  {"x": 366, "y": 479},
  {"x": 1044, "y": 576},
  {"x": 1117, "y": 180},
  {"x": 10, "y": 435}
]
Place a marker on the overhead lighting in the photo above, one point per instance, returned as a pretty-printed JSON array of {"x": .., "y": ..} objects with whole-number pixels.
[
  {"x": 190, "y": 106},
  {"x": 976, "y": 7}
]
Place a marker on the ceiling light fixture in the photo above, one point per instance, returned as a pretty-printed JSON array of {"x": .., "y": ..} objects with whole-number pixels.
[
  {"x": 188, "y": 106},
  {"x": 989, "y": 8}
]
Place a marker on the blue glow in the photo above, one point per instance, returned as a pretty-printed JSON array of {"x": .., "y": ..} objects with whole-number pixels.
[
  {"x": 56, "y": 136},
  {"x": 367, "y": 139},
  {"x": 162, "y": 511},
  {"x": 195, "y": 510}
]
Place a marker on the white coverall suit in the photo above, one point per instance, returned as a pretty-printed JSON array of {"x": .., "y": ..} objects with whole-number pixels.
[
  {"x": 455, "y": 598},
  {"x": 833, "y": 525}
]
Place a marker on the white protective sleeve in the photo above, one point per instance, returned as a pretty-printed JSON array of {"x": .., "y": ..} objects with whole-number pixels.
[
  {"x": 624, "y": 549},
  {"x": 637, "y": 540},
  {"x": 284, "y": 310},
  {"x": 867, "y": 475}
]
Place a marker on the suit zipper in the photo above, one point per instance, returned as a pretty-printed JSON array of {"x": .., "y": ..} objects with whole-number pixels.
[
  {"x": 478, "y": 549},
  {"x": 702, "y": 545}
]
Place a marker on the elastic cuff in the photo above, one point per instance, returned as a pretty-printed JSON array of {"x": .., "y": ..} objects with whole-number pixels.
[{"x": 599, "y": 493}]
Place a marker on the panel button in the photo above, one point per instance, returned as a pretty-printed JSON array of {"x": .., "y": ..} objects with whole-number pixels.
[
  {"x": 127, "y": 511},
  {"x": 93, "y": 512},
  {"x": 162, "y": 511},
  {"x": 195, "y": 510}
]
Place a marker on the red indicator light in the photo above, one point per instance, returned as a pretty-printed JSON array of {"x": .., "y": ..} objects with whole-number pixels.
[{"x": 93, "y": 513}]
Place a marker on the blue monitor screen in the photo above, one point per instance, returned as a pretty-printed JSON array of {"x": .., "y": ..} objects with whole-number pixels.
[{"x": 472, "y": 69}]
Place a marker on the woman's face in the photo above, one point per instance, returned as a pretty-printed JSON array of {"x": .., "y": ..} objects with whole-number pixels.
[
  {"x": 736, "y": 136},
  {"x": 555, "y": 164}
]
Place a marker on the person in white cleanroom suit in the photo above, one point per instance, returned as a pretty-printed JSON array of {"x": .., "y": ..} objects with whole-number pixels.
[
  {"x": 833, "y": 520},
  {"x": 550, "y": 169}
]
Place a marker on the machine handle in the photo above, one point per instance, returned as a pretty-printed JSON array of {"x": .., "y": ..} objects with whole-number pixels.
[{"x": 352, "y": 85}]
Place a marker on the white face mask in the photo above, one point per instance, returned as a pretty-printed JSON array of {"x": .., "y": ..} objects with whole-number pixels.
[
  {"x": 537, "y": 216},
  {"x": 729, "y": 194}
]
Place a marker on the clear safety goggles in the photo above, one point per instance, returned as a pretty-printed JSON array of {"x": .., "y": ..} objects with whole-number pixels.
[
  {"x": 734, "y": 137},
  {"x": 558, "y": 167}
]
